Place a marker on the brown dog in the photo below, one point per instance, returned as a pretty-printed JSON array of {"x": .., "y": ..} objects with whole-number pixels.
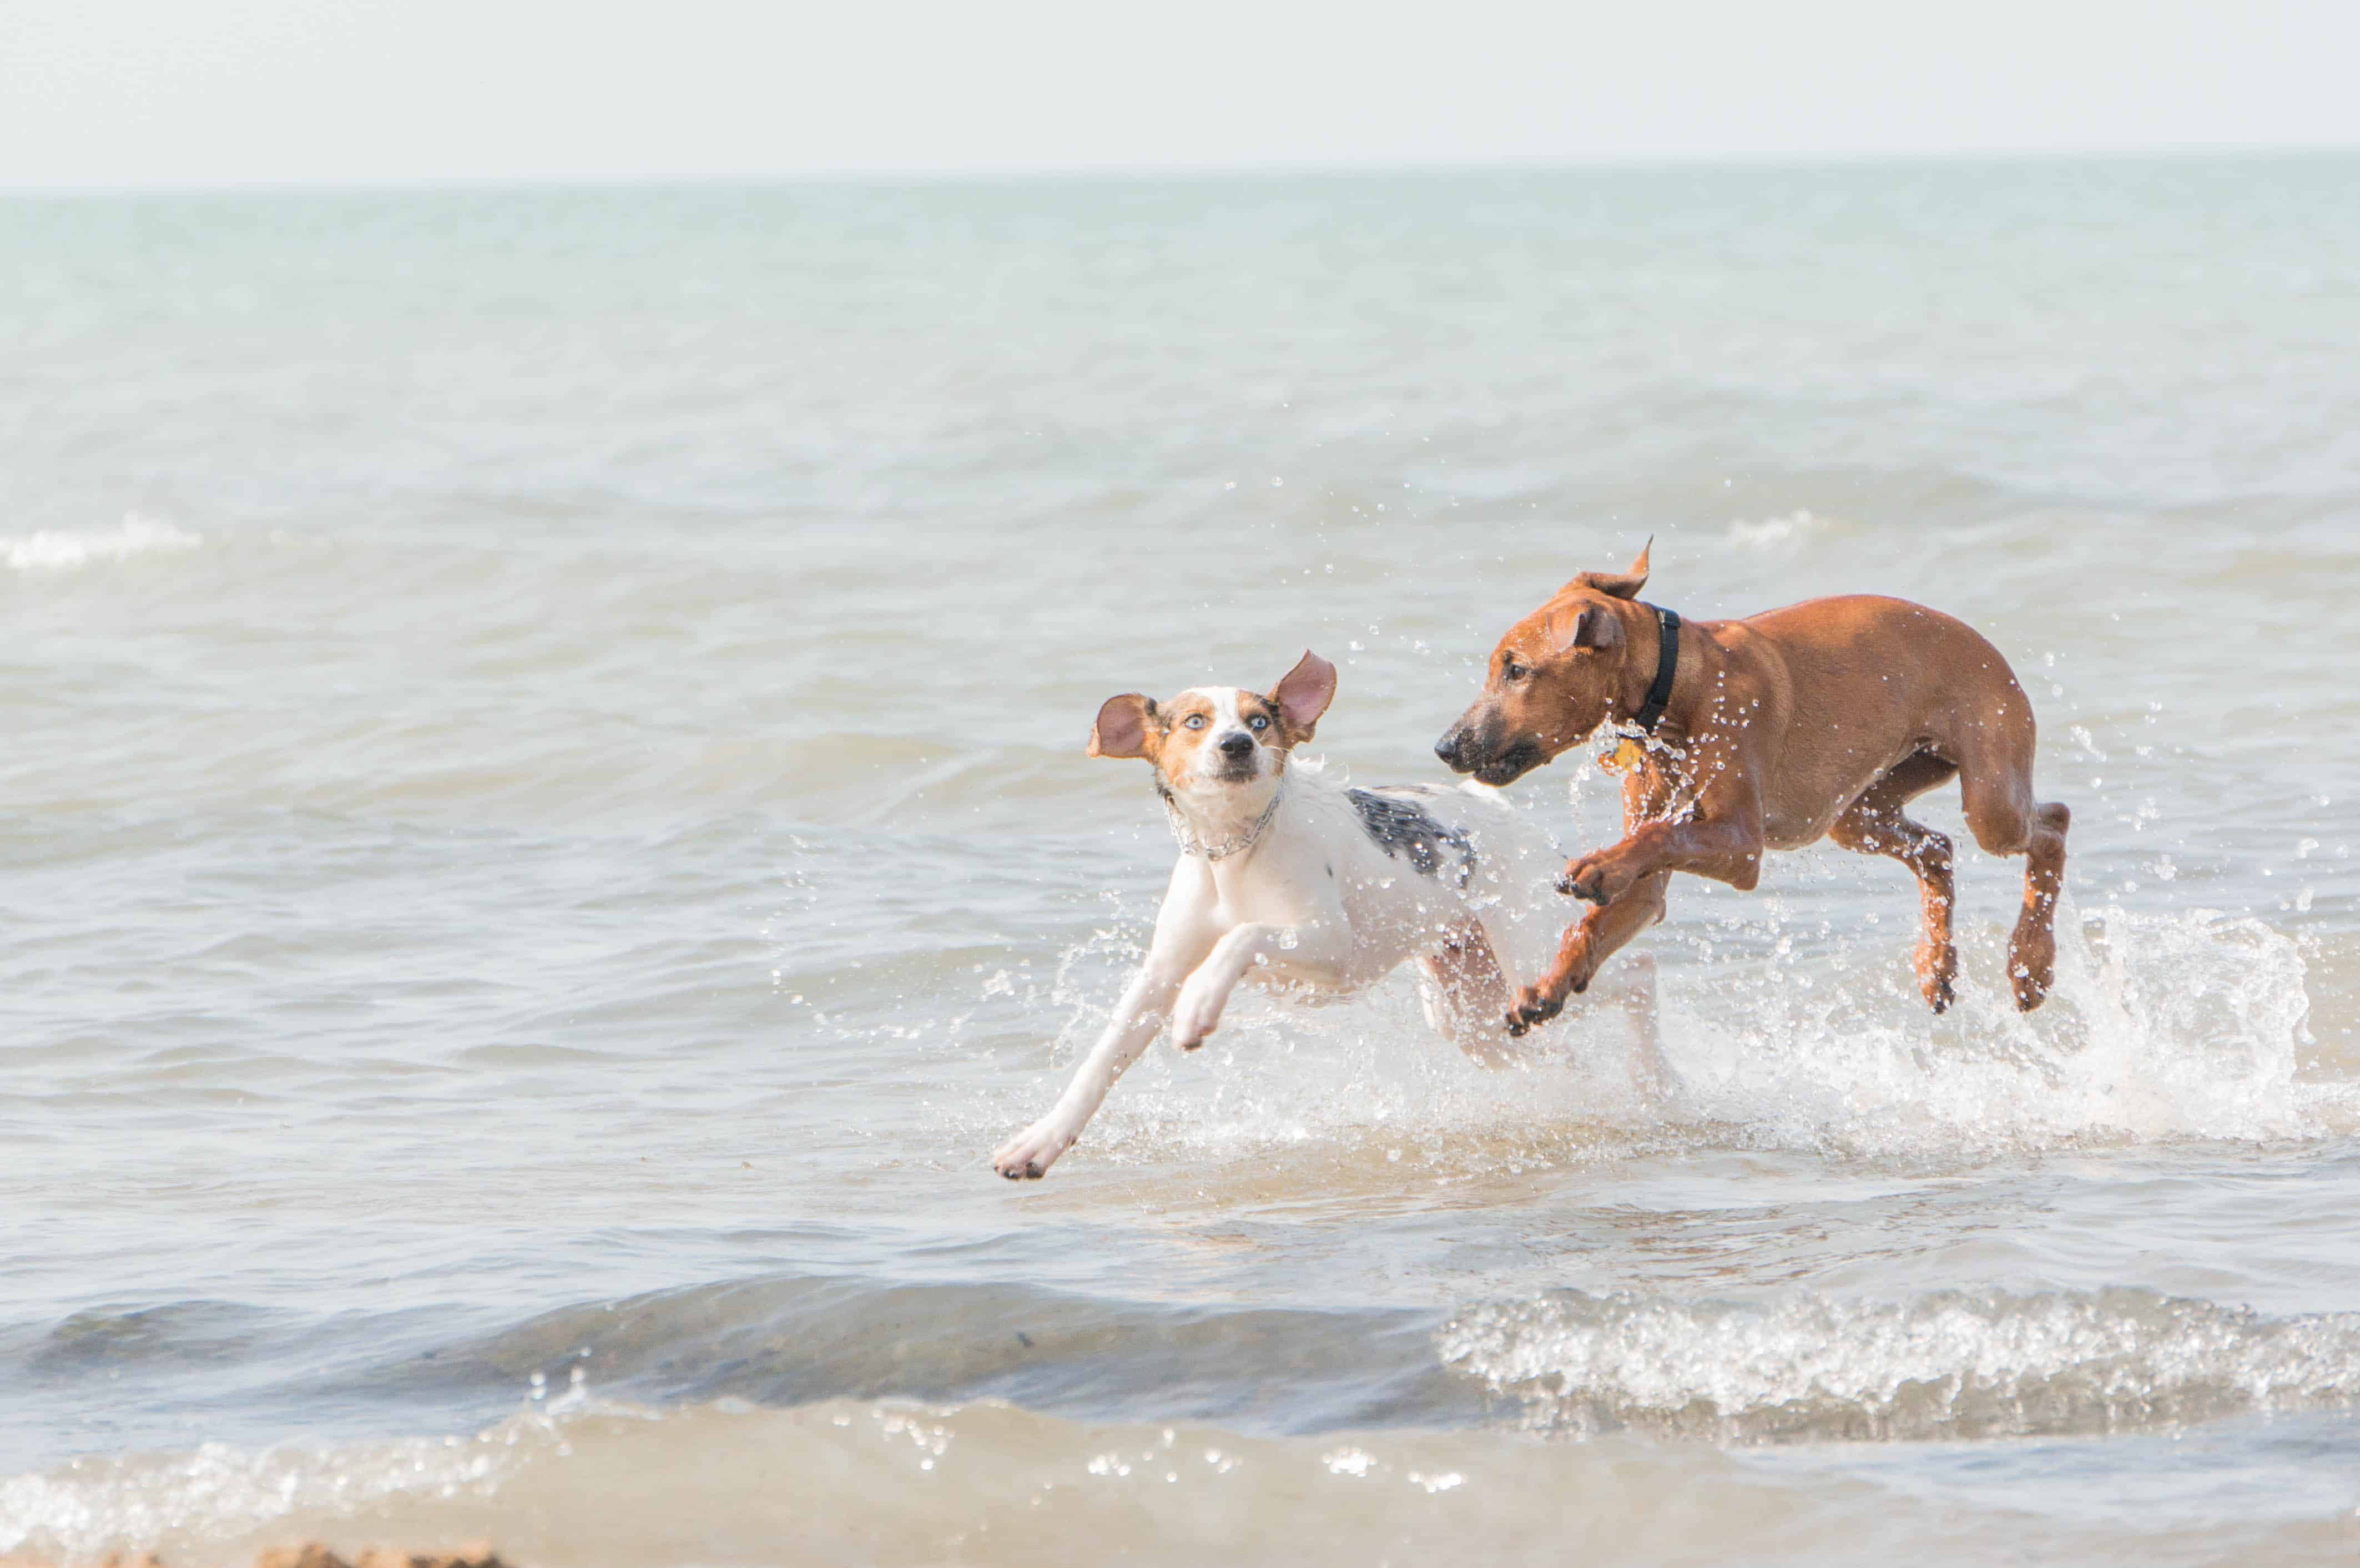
[{"x": 1821, "y": 719}]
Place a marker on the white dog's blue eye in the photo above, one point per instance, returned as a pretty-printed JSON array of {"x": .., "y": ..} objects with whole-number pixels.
[
  {"x": 1195, "y": 721},
  {"x": 1258, "y": 722}
]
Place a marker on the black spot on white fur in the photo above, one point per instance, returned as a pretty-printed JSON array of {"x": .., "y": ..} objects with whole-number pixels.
[{"x": 1393, "y": 819}]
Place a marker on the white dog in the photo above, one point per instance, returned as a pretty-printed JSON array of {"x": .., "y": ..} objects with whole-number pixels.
[{"x": 1290, "y": 880}]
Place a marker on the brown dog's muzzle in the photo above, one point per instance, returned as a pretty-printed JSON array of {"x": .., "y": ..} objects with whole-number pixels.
[{"x": 1479, "y": 745}]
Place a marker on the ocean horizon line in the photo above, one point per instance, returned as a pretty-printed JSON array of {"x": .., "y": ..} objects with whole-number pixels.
[{"x": 1275, "y": 171}]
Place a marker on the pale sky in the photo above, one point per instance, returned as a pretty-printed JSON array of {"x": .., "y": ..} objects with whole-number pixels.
[{"x": 169, "y": 93}]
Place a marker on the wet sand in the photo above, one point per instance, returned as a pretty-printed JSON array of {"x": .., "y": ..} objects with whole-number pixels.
[{"x": 311, "y": 1555}]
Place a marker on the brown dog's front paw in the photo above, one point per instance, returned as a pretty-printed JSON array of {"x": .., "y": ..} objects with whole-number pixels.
[
  {"x": 1591, "y": 879},
  {"x": 1533, "y": 1006}
]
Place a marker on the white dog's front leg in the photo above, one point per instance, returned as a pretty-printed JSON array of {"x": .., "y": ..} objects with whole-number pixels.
[
  {"x": 1313, "y": 952},
  {"x": 1135, "y": 1022}
]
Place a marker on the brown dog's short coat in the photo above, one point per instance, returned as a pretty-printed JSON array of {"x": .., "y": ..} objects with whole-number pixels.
[{"x": 1823, "y": 719}]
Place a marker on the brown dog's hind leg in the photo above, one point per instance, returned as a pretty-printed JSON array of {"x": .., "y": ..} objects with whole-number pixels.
[
  {"x": 2006, "y": 820},
  {"x": 1875, "y": 825},
  {"x": 2032, "y": 952}
]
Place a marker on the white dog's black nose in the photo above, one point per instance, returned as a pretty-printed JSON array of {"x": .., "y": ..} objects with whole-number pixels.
[{"x": 1236, "y": 747}]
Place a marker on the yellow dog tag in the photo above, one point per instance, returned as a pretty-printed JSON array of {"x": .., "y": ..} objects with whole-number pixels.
[{"x": 1624, "y": 758}]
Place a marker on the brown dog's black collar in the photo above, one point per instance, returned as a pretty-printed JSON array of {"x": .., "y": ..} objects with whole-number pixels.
[{"x": 1667, "y": 666}]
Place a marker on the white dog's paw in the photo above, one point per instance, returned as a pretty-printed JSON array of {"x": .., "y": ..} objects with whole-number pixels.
[
  {"x": 1028, "y": 1154},
  {"x": 1197, "y": 1015}
]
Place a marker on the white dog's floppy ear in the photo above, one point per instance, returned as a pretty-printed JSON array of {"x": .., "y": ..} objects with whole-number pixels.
[
  {"x": 1595, "y": 627},
  {"x": 1124, "y": 727},
  {"x": 1304, "y": 695}
]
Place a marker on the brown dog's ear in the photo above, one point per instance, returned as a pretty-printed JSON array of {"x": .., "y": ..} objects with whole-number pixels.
[
  {"x": 1304, "y": 695},
  {"x": 1124, "y": 727},
  {"x": 1594, "y": 627},
  {"x": 1622, "y": 585}
]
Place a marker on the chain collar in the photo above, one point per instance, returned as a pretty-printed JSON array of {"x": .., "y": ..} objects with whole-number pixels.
[{"x": 1190, "y": 844}]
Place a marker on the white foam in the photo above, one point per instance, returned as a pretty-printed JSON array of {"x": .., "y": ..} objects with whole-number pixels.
[
  {"x": 65, "y": 549},
  {"x": 138, "y": 1500},
  {"x": 1771, "y": 532},
  {"x": 1951, "y": 1363}
]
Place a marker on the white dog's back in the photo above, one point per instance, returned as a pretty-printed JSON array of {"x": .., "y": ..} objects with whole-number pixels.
[{"x": 1494, "y": 861}]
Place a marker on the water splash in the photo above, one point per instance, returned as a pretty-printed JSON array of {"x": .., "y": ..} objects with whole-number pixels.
[{"x": 2160, "y": 1027}]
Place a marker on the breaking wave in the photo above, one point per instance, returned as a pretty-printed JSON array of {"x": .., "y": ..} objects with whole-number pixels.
[
  {"x": 65, "y": 549},
  {"x": 1949, "y": 1365}
]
